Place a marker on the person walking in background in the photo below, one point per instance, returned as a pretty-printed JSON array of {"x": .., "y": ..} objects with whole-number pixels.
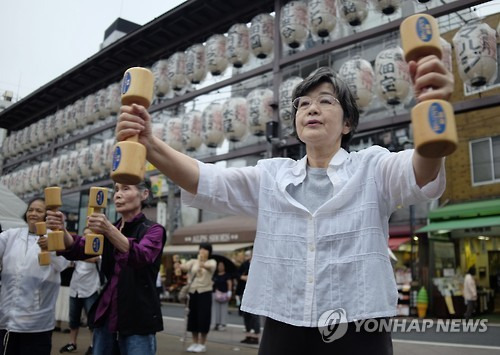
[
  {"x": 223, "y": 286},
  {"x": 470, "y": 292},
  {"x": 29, "y": 291},
  {"x": 83, "y": 293},
  {"x": 127, "y": 314},
  {"x": 62, "y": 302},
  {"x": 200, "y": 272},
  {"x": 251, "y": 321},
  {"x": 322, "y": 221}
]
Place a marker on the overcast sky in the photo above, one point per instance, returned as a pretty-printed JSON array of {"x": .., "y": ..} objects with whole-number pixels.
[{"x": 42, "y": 39}]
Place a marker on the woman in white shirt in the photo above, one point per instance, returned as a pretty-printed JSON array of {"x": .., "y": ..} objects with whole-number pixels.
[
  {"x": 470, "y": 292},
  {"x": 29, "y": 291},
  {"x": 320, "y": 254}
]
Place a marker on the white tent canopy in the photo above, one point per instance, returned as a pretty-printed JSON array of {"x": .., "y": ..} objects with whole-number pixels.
[{"x": 11, "y": 209}]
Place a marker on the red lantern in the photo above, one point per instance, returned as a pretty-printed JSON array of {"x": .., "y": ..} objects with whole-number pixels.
[
  {"x": 262, "y": 35},
  {"x": 293, "y": 24}
]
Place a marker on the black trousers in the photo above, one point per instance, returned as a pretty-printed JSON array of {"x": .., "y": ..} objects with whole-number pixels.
[
  {"x": 283, "y": 339},
  {"x": 25, "y": 343},
  {"x": 200, "y": 312}
]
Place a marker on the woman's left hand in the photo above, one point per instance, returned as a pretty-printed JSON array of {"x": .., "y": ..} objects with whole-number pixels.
[
  {"x": 431, "y": 79},
  {"x": 43, "y": 242},
  {"x": 98, "y": 223}
]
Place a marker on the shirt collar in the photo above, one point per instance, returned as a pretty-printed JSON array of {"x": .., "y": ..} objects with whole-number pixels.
[{"x": 338, "y": 159}]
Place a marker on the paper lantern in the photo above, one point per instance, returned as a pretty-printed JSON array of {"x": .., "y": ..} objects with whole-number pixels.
[
  {"x": 79, "y": 109},
  {"x": 191, "y": 131},
  {"x": 293, "y": 24},
  {"x": 97, "y": 159},
  {"x": 43, "y": 174},
  {"x": 38, "y": 131},
  {"x": 176, "y": 71},
  {"x": 235, "y": 118},
  {"x": 33, "y": 139},
  {"x": 34, "y": 183},
  {"x": 72, "y": 166},
  {"x": 102, "y": 107},
  {"x": 26, "y": 179},
  {"x": 238, "y": 45},
  {"x": 25, "y": 139},
  {"x": 84, "y": 162},
  {"x": 63, "y": 168},
  {"x": 212, "y": 125},
  {"x": 447, "y": 55},
  {"x": 392, "y": 76},
  {"x": 69, "y": 118},
  {"x": 196, "y": 67},
  {"x": 260, "y": 111},
  {"x": 113, "y": 103},
  {"x": 174, "y": 133},
  {"x": 91, "y": 114},
  {"x": 158, "y": 130},
  {"x": 358, "y": 74},
  {"x": 387, "y": 7},
  {"x": 476, "y": 52},
  {"x": 322, "y": 17},
  {"x": 216, "y": 54},
  {"x": 285, "y": 103},
  {"x": 262, "y": 35},
  {"x": 6, "y": 147},
  {"x": 354, "y": 12},
  {"x": 160, "y": 72},
  {"x": 107, "y": 147},
  {"x": 54, "y": 171},
  {"x": 60, "y": 122},
  {"x": 50, "y": 128}
]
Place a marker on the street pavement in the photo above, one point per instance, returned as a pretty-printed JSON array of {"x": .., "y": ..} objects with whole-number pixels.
[{"x": 431, "y": 342}]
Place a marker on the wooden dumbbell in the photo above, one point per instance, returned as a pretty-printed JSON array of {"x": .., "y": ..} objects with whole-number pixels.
[
  {"x": 53, "y": 202},
  {"x": 98, "y": 199},
  {"x": 129, "y": 157},
  {"x": 434, "y": 128},
  {"x": 44, "y": 255}
]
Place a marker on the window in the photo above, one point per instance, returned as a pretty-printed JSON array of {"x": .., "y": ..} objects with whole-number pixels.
[{"x": 485, "y": 160}]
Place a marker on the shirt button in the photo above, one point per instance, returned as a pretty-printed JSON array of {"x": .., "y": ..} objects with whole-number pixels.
[
  {"x": 310, "y": 279},
  {"x": 311, "y": 247}
]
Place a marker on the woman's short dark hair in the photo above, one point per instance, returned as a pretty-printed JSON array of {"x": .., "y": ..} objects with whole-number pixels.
[
  {"x": 145, "y": 185},
  {"x": 36, "y": 198},
  {"x": 340, "y": 89},
  {"x": 208, "y": 247}
]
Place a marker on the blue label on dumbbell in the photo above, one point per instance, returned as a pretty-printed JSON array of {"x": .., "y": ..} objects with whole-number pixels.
[
  {"x": 437, "y": 118},
  {"x": 126, "y": 82},
  {"x": 99, "y": 198},
  {"x": 424, "y": 29},
  {"x": 117, "y": 156},
  {"x": 96, "y": 244}
]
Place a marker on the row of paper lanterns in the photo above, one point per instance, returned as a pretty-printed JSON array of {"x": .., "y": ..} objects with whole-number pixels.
[{"x": 84, "y": 111}]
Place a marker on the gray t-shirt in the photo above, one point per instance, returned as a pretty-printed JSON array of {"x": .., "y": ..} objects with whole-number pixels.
[{"x": 314, "y": 191}]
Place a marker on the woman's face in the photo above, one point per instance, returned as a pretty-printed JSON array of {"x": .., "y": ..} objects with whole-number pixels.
[
  {"x": 321, "y": 124},
  {"x": 221, "y": 267},
  {"x": 203, "y": 254},
  {"x": 128, "y": 198},
  {"x": 35, "y": 212}
]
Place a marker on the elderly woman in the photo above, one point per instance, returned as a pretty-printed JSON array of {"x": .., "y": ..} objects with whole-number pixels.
[
  {"x": 127, "y": 314},
  {"x": 29, "y": 291},
  {"x": 320, "y": 253}
]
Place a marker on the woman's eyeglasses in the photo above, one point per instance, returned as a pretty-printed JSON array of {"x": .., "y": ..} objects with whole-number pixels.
[{"x": 303, "y": 102}]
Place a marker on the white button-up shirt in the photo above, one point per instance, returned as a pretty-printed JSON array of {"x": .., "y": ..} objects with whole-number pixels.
[
  {"x": 85, "y": 280},
  {"x": 305, "y": 264}
]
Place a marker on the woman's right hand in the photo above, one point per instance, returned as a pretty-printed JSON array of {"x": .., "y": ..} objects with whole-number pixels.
[{"x": 134, "y": 120}]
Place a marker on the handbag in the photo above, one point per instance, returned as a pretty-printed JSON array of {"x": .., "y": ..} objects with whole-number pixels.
[{"x": 221, "y": 297}]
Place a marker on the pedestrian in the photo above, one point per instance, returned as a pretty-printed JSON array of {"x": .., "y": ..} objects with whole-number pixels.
[
  {"x": 83, "y": 292},
  {"x": 322, "y": 221},
  {"x": 470, "y": 292},
  {"x": 200, "y": 272},
  {"x": 251, "y": 321},
  {"x": 223, "y": 285},
  {"x": 127, "y": 314},
  {"x": 26, "y": 323},
  {"x": 62, "y": 302}
]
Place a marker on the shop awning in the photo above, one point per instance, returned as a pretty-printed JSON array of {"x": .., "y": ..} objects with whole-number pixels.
[
  {"x": 461, "y": 224},
  {"x": 467, "y": 210},
  {"x": 193, "y": 248},
  {"x": 394, "y": 243}
]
